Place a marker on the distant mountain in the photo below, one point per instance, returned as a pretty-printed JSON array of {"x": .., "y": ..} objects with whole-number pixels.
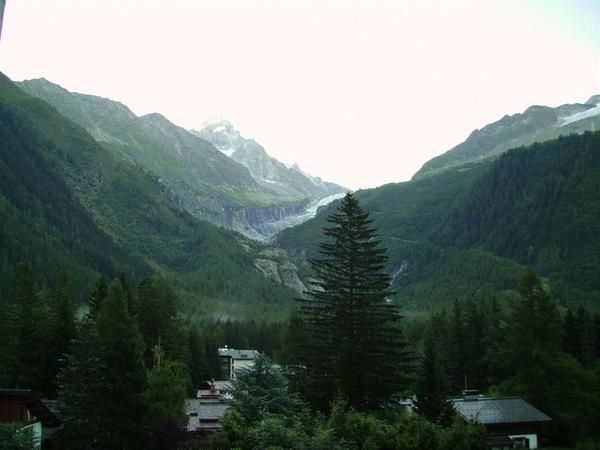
[
  {"x": 536, "y": 124},
  {"x": 70, "y": 203},
  {"x": 205, "y": 181},
  {"x": 467, "y": 225},
  {"x": 263, "y": 167}
]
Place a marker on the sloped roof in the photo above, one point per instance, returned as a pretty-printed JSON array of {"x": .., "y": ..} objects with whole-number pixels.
[
  {"x": 204, "y": 413},
  {"x": 504, "y": 410}
]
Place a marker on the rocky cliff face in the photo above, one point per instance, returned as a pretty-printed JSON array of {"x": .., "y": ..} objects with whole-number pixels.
[
  {"x": 536, "y": 124},
  {"x": 263, "y": 167}
]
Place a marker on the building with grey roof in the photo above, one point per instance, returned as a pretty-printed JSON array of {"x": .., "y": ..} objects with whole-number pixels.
[{"x": 510, "y": 422}]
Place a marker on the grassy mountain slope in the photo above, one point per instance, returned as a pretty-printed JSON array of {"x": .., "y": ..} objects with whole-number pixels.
[
  {"x": 112, "y": 201},
  {"x": 468, "y": 231}
]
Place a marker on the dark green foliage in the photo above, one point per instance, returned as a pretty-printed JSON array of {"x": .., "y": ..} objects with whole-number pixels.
[
  {"x": 196, "y": 360},
  {"x": 97, "y": 296},
  {"x": 431, "y": 387},
  {"x": 263, "y": 391},
  {"x": 122, "y": 348},
  {"x": 354, "y": 345},
  {"x": 468, "y": 232},
  {"x": 165, "y": 394},
  {"x": 42, "y": 221},
  {"x": 155, "y": 310},
  {"x": 7, "y": 342},
  {"x": 82, "y": 387},
  {"x": 62, "y": 328},
  {"x": 30, "y": 331},
  {"x": 539, "y": 206},
  {"x": 539, "y": 371},
  {"x": 68, "y": 203}
]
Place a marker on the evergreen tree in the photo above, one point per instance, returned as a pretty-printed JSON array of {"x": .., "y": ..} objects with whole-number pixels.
[
  {"x": 7, "y": 341},
  {"x": 196, "y": 359},
  {"x": 354, "y": 345},
  {"x": 263, "y": 390},
  {"x": 30, "y": 369},
  {"x": 432, "y": 387},
  {"x": 82, "y": 388},
  {"x": 155, "y": 311},
  {"x": 62, "y": 328},
  {"x": 97, "y": 296},
  {"x": 121, "y": 347},
  {"x": 456, "y": 350},
  {"x": 533, "y": 340},
  {"x": 166, "y": 392},
  {"x": 571, "y": 335}
]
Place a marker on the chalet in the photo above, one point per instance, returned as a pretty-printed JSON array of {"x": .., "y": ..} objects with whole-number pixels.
[
  {"x": 23, "y": 407},
  {"x": 510, "y": 422},
  {"x": 233, "y": 361}
]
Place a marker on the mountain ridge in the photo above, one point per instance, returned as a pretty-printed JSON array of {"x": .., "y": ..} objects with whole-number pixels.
[
  {"x": 536, "y": 124},
  {"x": 207, "y": 183}
]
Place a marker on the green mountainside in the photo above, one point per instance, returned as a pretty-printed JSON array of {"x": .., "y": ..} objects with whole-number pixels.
[
  {"x": 207, "y": 183},
  {"x": 467, "y": 231},
  {"x": 70, "y": 203}
]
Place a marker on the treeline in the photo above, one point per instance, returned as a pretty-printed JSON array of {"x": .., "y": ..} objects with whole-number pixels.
[{"x": 120, "y": 369}]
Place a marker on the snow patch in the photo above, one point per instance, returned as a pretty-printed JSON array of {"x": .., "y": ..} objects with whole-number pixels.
[
  {"x": 228, "y": 151},
  {"x": 595, "y": 111}
]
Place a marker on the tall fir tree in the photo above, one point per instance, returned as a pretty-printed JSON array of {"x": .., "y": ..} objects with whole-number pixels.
[
  {"x": 31, "y": 328},
  {"x": 82, "y": 389},
  {"x": 456, "y": 349},
  {"x": 533, "y": 340},
  {"x": 431, "y": 387},
  {"x": 155, "y": 312},
  {"x": 354, "y": 346},
  {"x": 62, "y": 328},
  {"x": 7, "y": 341},
  {"x": 122, "y": 348},
  {"x": 97, "y": 296}
]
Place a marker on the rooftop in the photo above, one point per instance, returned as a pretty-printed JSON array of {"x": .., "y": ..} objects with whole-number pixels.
[
  {"x": 238, "y": 354},
  {"x": 204, "y": 413},
  {"x": 502, "y": 410}
]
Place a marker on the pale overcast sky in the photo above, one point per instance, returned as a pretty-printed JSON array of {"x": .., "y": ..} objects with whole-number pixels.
[{"x": 357, "y": 92}]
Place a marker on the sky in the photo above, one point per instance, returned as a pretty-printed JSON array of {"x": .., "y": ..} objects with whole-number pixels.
[{"x": 359, "y": 92}]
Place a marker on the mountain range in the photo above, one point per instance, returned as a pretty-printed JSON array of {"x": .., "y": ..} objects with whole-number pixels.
[
  {"x": 69, "y": 202},
  {"x": 89, "y": 187},
  {"x": 229, "y": 187},
  {"x": 472, "y": 218}
]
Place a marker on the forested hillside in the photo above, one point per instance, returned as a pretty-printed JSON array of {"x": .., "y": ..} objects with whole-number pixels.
[
  {"x": 539, "y": 206},
  {"x": 467, "y": 232},
  {"x": 70, "y": 204}
]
